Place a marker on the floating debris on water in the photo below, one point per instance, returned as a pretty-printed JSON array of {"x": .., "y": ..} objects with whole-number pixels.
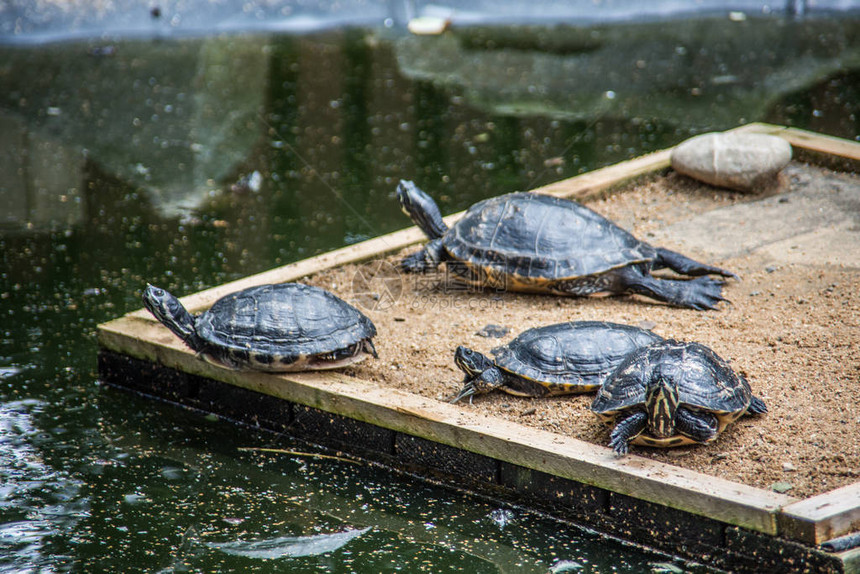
[
  {"x": 248, "y": 183},
  {"x": 233, "y": 521},
  {"x": 502, "y": 517},
  {"x": 9, "y": 372}
]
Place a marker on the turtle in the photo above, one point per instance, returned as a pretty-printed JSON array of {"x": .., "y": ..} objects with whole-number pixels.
[
  {"x": 276, "y": 328},
  {"x": 672, "y": 393},
  {"x": 564, "y": 358},
  {"x": 540, "y": 243}
]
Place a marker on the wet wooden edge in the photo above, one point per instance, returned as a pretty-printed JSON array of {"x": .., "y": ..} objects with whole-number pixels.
[
  {"x": 139, "y": 335},
  {"x": 850, "y": 561},
  {"x": 820, "y": 518}
]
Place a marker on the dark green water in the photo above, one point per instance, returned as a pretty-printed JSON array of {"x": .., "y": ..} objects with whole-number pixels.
[{"x": 118, "y": 166}]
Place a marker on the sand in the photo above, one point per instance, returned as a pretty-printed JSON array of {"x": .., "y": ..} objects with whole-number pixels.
[{"x": 792, "y": 329}]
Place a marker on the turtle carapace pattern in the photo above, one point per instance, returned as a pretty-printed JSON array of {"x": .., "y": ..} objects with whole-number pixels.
[
  {"x": 539, "y": 243},
  {"x": 671, "y": 394},
  {"x": 565, "y": 358},
  {"x": 280, "y": 327}
]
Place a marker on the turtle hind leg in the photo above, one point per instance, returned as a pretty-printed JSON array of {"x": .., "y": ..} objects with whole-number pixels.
[
  {"x": 425, "y": 260},
  {"x": 701, "y": 427},
  {"x": 686, "y": 266},
  {"x": 756, "y": 407},
  {"x": 626, "y": 429},
  {"x": 701, "y": 293}
]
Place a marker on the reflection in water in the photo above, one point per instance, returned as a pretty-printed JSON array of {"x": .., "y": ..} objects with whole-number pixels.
[
  {"x": 185, "y": 124},
  {"x": 702, "y": 74}
]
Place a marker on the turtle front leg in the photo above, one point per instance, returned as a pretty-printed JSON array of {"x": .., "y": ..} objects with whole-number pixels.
[
  {"x": 701, "y": 427},
  {"x": 424, "y": 260},
  {"x": 486, "y": 382},
  {"x": 627, "y": 429},
  {"x": 686, "y": 266},
  {"x": 701, "y": 293}
]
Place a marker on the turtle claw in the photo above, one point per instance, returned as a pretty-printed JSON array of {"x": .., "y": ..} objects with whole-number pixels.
[
  {"x": 626, "y": 429},
  {"x": 701, "y": 293},
  {"x": 468, "y": 390},
  {"x": 619, "y": 445},
  {"x": 416, "y": 263},
  {"x": 619, "y": 439}
]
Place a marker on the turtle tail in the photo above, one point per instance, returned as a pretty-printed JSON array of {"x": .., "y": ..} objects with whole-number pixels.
[{"x": 756, "y": 407}]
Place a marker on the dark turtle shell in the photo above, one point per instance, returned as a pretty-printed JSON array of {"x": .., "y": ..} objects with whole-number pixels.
[
  {"x": 538, "y": 236},
  {"x": 705, "y": 381},
  {"x": 283, "y": 321},
  {"x": 578, "y": 356}
]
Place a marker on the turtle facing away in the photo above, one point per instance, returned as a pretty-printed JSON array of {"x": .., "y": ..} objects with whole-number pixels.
[
  {"x": 544, "y": 244},
  {"x": 671, "y": 394},
  {"x": 560, "y": 359},
  {"x": 282, "y": 327}
]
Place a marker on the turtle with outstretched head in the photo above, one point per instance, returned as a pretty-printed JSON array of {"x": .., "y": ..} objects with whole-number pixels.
[
  {"x": 540, "y": 243},
  {"x": 281, "y": 327},
  {"x": 561, "y": 359}
]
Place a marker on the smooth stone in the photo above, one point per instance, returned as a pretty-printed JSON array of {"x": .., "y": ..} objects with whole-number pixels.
[{"x": 743, "y": 162}]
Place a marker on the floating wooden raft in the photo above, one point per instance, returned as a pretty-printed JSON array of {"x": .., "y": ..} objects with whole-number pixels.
[{"x": 726, "y": 524}]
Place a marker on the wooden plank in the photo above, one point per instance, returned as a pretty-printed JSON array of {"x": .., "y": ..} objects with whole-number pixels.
[
  {"x": 820, "y": 518},
  {"x": 566, "y": 457},
  {"x": 598, "y": 181},
  {"x": 810, "y": 141}
]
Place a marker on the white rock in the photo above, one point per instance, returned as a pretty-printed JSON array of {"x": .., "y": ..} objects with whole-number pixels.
[{"x": 744, "y": 162}]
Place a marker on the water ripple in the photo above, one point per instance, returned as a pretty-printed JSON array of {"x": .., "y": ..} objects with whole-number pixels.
[{"x": 36, "y": 501}]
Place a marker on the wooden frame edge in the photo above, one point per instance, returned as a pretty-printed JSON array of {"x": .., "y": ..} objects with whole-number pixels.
[{"x": 819, "y": 518}]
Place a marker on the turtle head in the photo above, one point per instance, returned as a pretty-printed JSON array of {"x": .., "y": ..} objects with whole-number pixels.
[
  {"x": 661, "y": 404},
  {"x": 421, "y": 209},
  {"x": 481, "y": 374},
  {"x": 170, "y": 312}
]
